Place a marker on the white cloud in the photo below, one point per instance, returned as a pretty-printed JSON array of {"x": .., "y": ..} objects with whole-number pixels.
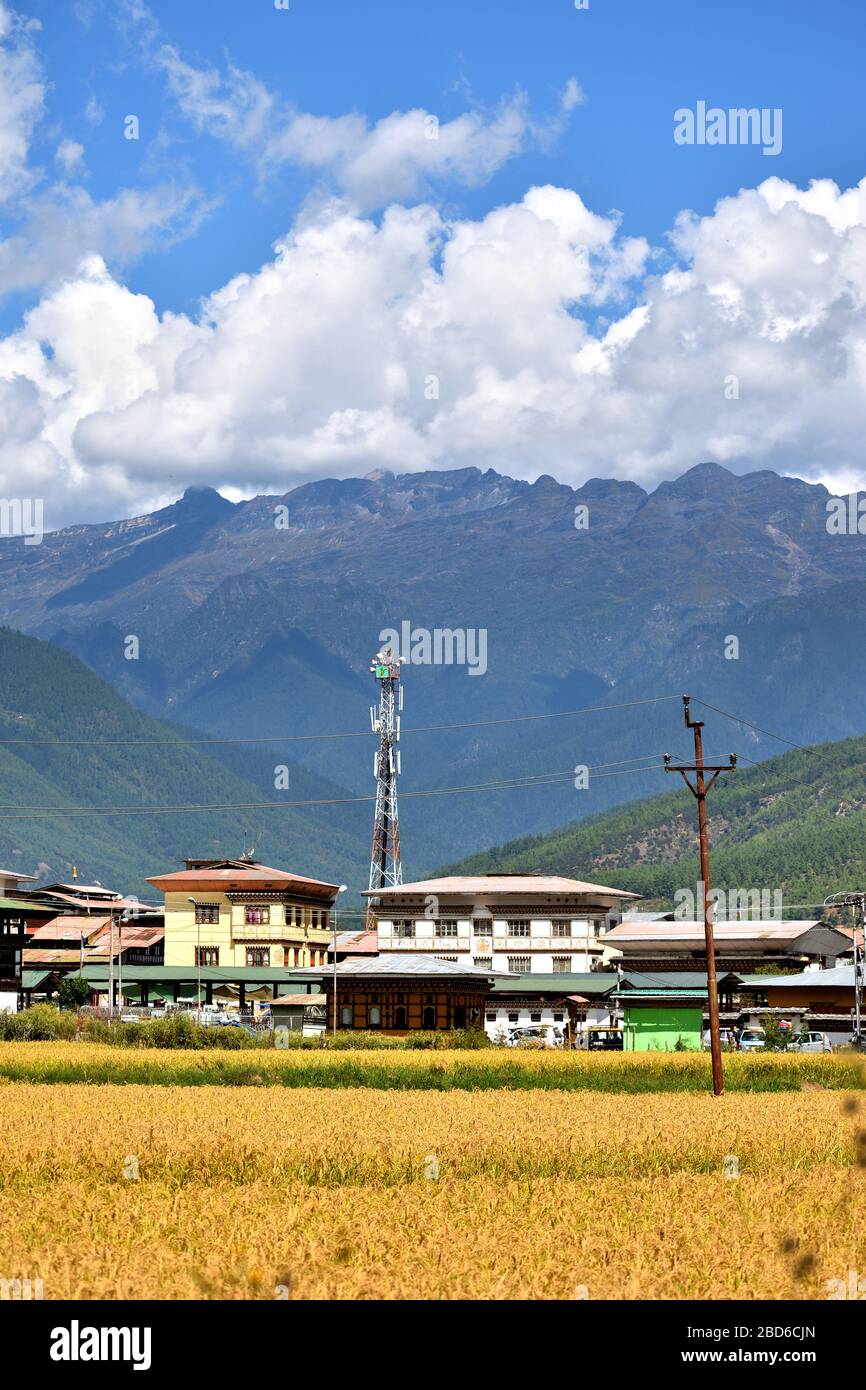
[
  {"x": 69, "y": 155},
  {"x": 22, "y": 97},
  {"x": 400, "y": 157},
  {"x": 321, "y": 362}
]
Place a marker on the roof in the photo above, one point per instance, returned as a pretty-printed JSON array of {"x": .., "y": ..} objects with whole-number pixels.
[
  {"x": 17, "y": 875},
  {"x": 840, "y": 977},
  {"x": 298, "y": 1000},
  {"x": 70, "y": 928},
  {"x": 32, "y": 979},
  {"x": 394, "y": 964},
  {"x": 457, "y": 884},
  {"x": 674, "y": 979},
  {"x": 210, "y": 974},
  {"x": 669, "y": 996},
  {"x": 358, "y": 942},
  {"x": 221, "y": 877},
  {"x": 596, "y": 982},
  {"x": 25, "y": 905},
  {"x": 680, "y": 930}
]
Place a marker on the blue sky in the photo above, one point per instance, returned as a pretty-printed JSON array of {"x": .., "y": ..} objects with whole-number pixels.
[
  {"x": 636, "y": 62},
  {"x": 546, "y": 282}
]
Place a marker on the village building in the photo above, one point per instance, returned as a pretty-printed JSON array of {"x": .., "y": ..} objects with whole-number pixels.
[
  {"x": 662, "y": 1018},
  {"x": 665, "y": 943},
  {"x": 573, "y": 1003},
  {"x": 396, "y": 993},
  {"x": 520, "y": 923},
  {"x": 239, "y": 913},
  {"x": 819, "y": 1000}
]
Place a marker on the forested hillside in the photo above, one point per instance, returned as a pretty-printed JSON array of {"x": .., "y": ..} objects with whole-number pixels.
[
  {"x": 49, "y": 700},
  {"x": 796, "y": 823}
]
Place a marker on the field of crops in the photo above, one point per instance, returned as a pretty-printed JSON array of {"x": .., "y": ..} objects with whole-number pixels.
[
  {"x": 490, "y": 1069},
  {"x": 168, "y": 1191}
]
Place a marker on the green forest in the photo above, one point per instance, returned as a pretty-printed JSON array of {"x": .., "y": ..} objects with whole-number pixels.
[{"x": 795, "y": 823}]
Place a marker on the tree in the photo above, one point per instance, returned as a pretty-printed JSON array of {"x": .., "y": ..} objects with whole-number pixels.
[{"x": 74, "y": 991}]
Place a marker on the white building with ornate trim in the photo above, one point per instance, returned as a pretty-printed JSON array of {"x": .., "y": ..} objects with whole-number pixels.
[{"x": 521, "y": 923}]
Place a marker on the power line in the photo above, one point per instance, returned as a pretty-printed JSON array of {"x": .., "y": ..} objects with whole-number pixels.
[
  {"x": 306, "y": 738},
  {"x": 749, "y": 725},
  {"x": 514, "y": 783}
]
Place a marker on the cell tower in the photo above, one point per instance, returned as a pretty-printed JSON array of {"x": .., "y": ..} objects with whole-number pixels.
[{"x": 386, "y": 871}]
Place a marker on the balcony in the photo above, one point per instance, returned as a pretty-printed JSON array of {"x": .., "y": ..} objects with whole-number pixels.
[{"x": 278, "y": 931}]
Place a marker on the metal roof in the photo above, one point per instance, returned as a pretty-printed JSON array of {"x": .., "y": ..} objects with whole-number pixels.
[
  {"x": 596, "y": 982},
  {"x": 840, "y": 977},
  {"x": 512, "y": 884},
  {"x": 255, "y": 877},
  {"x": 766, "y": 930},
  {"x": 394, "y": 964}
]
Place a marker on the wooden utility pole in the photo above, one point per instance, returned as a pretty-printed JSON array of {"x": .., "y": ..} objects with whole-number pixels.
[{"x": 699, "y": 789}]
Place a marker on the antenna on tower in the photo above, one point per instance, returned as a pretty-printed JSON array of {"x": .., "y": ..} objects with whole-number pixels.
[{"x": 386, "y": 870}]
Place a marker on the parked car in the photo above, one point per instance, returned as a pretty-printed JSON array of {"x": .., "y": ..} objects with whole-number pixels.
[
  {"x": 727, "y": 1037},
  {"x": 605, "y": 1040},
  {"x": 539, "y": 1032},
  {"x": 812, "y": 1042},
  {"x": 752, "y": 1040}
]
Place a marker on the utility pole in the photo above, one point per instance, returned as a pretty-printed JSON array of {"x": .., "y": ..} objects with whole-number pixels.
[
  {"x": 197, "y": 957},
  {"x": 858, "y": 902},
  {"x": 111, "y": 969},
  {"x": 342, "y": 889},
  {"x": 699, "y": 789}
]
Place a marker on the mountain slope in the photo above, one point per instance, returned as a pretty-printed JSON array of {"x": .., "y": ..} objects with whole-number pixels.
[
  {"x": 48, "y": 698},
  {"x": 796, "y": 823},
  {"x": 246, "y": 625}
]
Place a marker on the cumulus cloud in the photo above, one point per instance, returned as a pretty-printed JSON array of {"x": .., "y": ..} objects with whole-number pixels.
[{"x": 414, "y": 342}]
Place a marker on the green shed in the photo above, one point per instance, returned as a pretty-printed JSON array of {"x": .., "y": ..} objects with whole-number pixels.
[{"x": 662, "y": 1020}]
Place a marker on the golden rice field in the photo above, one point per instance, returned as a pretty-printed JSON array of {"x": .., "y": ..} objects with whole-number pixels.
[
  {"x": 190, "y": 1192},
  {"x": 491, "y": 1068}
]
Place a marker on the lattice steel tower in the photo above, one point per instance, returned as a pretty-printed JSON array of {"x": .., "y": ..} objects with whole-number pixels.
[{"x": 386, "y": 871}]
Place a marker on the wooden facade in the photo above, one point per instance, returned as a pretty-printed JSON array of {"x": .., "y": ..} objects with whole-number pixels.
[{"x": 392, "y": 1005}]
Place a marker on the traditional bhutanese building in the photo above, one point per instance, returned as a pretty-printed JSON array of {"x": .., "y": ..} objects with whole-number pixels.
[
  {"x": 520, "y": 923},
  {"x": 669, "y": 943},
  {"x": 236, "y": 912},
  {"x": 395, "y": 993}
]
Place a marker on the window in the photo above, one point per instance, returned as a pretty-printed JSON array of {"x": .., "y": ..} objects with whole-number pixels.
[
  {"x": 562, "y": 965},
  {"x": 454, "y": 958},
  {"x": 258, "y": 955},
  {"x": 207, "y": 914},
  {"x": 490, "y": 1018},
  {"x": 459, "y": 1015},
  {"x": 404, "y": 929},
  {"x": 400, "y": 1016},
  {"x": 428, "y": 1016},
  {"x": 562, "y": 929},
  {"x": 446, "y": 929},
  {"x": 519, "y": 965},
  {"x": 346, "y": 1016},
  {"x": 207, "y": 955},
  {"x": 482, "y": 928},
  {"x": 520, "y": 928},
  {"x": 535, "y": 1018},
  {"x": 514, "y": 1018},
  {"x": 374, "y": 1015},
  {"x": 257, "y": 916},
  {"x": 557, "y": 1018},
  {"x": 482, "y": 962}
]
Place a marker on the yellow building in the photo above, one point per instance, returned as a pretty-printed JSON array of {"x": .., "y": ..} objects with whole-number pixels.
[{"x": 236, "y": 912}]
